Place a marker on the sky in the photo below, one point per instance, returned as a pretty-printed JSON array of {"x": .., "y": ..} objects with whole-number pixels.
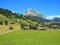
[{"x": 49, "y": 8}]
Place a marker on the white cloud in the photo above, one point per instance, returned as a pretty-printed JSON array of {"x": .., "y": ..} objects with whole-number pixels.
[
  {"x": 13, "y": 11},
  {"x": 52, "y": 16}
]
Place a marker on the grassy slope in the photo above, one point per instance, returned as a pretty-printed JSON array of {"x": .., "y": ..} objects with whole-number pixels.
[
  {"x": 31, "y": 38},
  {"x": 27, "y": 37},
  {"x": 5, "y": 29},
  {"x": 1, "y": 16},
  {"x": 4, "y": 17}
]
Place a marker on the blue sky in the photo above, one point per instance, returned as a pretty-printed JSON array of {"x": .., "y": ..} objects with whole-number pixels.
[{"x": 50, "y": 8}]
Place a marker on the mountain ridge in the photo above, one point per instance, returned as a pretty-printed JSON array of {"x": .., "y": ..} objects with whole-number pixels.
[{"x": 32, "y": 12}]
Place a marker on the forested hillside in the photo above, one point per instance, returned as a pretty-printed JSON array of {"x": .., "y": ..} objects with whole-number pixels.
[{"x": 31, "y": 18}]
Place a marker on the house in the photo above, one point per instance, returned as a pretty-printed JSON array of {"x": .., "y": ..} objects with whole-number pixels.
[{"x": 41, "y": 28}]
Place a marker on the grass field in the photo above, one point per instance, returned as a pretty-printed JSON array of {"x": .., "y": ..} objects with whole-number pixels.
[{"x": 32, "y": 37}]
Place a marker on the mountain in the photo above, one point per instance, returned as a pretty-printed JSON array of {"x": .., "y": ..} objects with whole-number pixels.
[
  {"x": 32, "y": 12},
  {"x": 56, "y": 19},
  {"x": 34, "y": 15}
]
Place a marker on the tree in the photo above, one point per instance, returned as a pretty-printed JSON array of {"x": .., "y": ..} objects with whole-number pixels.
[
  {"x": 1, "y": 22},
  {"x": 12, "y": 18},
  {"x": 31, "y": 26},
  {"x": 54, "y": 26},
  {"x": 35, "y": 27},
  {"x": 22, "y": 25},
  {"x": 5, "y": 12},
  {"x": 6, "y": 22}
]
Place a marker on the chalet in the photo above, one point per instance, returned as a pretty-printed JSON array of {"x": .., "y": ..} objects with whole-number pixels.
[{"x": 26, "y": 28}]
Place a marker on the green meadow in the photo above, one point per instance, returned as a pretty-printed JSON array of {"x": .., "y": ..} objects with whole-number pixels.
[
  {"x": 30, "y": 37},
  {"x": 20, "y": 29}
]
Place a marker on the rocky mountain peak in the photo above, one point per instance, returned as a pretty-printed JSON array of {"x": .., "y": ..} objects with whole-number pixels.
[{"x": 32, "y": 12}]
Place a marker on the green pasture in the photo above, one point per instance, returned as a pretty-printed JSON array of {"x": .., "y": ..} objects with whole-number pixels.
[{"x": 30, "y": 37}]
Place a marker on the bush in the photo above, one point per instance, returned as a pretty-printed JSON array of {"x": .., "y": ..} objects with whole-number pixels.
[
  {"x": 11, "y": 28},
  {"x": 12, "y": 23}
]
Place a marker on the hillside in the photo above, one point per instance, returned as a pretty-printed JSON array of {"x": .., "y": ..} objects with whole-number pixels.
[
  {"x": 2, "y": 16},
  {"x": 31, "y": 19},
  {"x": 5, "y": 13}
]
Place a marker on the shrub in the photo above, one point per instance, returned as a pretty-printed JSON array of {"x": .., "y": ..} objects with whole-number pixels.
[{"x": 11, "y": 28}]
